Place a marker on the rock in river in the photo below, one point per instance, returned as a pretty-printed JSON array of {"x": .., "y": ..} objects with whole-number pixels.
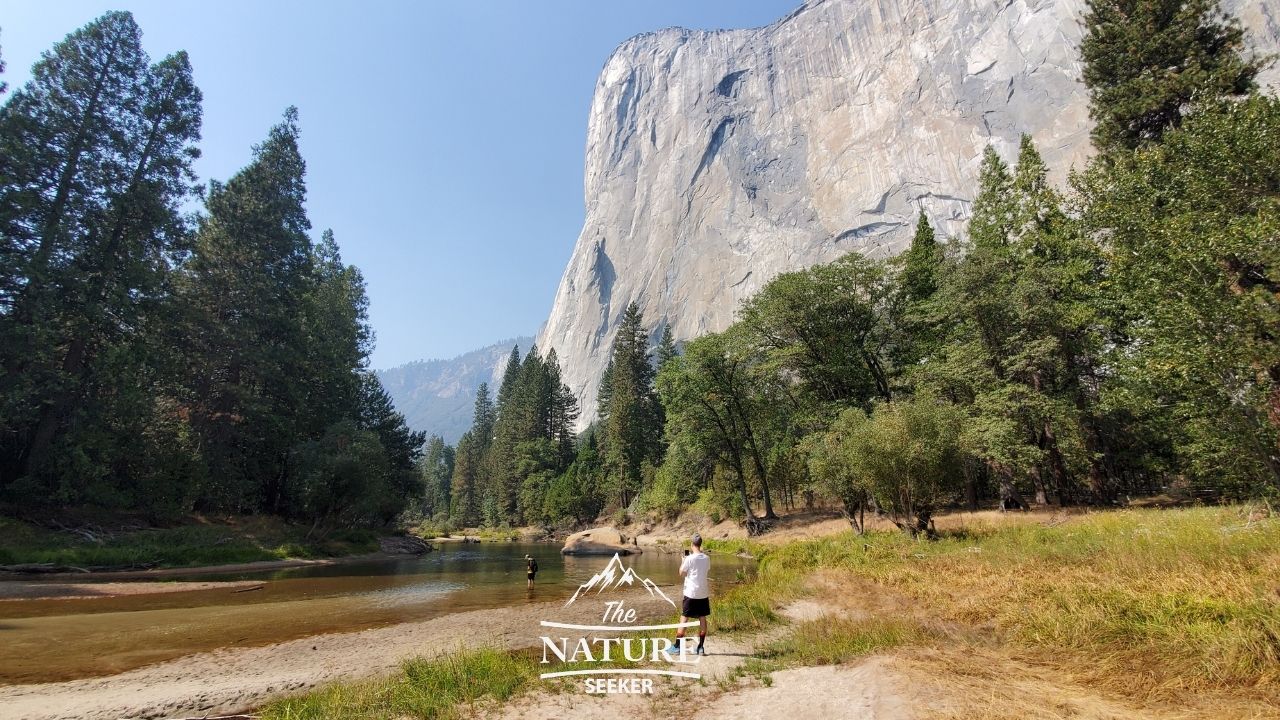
[{"x": 599, "y": 541}]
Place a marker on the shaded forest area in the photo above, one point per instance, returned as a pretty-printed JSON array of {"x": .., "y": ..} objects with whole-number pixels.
[{"x": 160, "y": 361}]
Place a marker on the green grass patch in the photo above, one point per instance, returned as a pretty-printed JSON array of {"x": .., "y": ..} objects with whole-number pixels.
[
  {"x": 443, "y": 687},
  {"x": 197, "y": 543},
  {"x": 434, "y": 688},
  {"x": 832, "y": 641}
]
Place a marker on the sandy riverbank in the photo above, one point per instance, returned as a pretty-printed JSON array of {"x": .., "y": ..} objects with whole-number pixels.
[
  {"x": 42, "y": 589},
  {"x": 230, "y": 680}
]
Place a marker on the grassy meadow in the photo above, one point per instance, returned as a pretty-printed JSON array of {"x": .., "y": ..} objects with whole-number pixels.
[{"x": 1163, "y": 609}]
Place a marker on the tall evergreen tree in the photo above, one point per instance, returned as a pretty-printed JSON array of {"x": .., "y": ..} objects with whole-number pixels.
[
  {"x": 630, "y": 414},
  {"x": 95, "y": 163},
  {"x": 667, "y": 350},
  {"x": 1146, "y": 61},
  {"x": 243, "y": 291},
  {"x": 436, "y": 469},
  {"x": 484, "y": 415},
  {"x": 912, "y": 314},
  {"x": 919, "y": 279},
  {"x": 338, "y": 336},
  {"x": 401, "y": 447},
  {"x": 464, "y": 497}
]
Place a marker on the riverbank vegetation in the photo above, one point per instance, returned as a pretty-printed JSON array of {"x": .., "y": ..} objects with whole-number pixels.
[
  {"x": 195, "y": 542},
  {"x": 1158, "y": 609},
  {"x": 161, "y": 362},
  {"x": 1073, "y": 346}
]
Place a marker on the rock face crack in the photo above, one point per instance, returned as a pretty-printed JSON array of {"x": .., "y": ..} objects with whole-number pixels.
[
  {"x": 716, "y": 160},
  {"x": 713, "y": 147}
]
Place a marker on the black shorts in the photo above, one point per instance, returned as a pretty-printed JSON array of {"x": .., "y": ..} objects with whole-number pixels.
[
  {"x": 531, "y": 575},
  {"x": 696, "y": 607}
]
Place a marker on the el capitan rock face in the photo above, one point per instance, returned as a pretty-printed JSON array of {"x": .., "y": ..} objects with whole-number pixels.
[{"x": 716, "y": 160}]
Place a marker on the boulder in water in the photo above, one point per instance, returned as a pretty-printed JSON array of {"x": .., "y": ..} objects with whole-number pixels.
[{"x": 599, "y": 541}]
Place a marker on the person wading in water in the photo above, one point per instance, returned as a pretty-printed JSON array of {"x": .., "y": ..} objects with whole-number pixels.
[
  {"x": 531, "y": 568},
  {"x": 695, "y": 569}
]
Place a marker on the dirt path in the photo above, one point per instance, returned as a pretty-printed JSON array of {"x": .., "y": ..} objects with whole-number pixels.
[{"x": 868, "y": 690}]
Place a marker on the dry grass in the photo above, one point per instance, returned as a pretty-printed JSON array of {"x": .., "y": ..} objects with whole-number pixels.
[{"x": 1155, "y": 608}]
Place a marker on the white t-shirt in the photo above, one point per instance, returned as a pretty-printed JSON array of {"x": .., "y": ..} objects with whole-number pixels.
[{"x": 695, "y": 567}]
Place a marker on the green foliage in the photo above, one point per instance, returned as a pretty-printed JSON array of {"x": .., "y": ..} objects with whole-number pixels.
[
  {"x": 509, "y": 467},
  {"x": 1147, "y": 61},
  {"x": 185, "y": 545},
  {"x": 631, "y": 415},
  {"x": 97, "y": 151},
  {"x": 903, "y": 456},
  {"x": 826, "y": 325},
  {"x": 342, "y": 478},
  {"x": 425, "y": 688},
  {"x": 1191, "y": 227},
  {"x": 154, "y": 363},
  {"x": 436, "y": 472},
  {"x": 720, "y": 414}
]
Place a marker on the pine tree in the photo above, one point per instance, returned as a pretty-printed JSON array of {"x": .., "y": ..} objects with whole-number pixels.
[
  {"x": 464, "y": 498},
  {"x": 919, "y": 278},
  {"x": 400, "y": 446},
  {"x": 667, "y": 350},
  {"x": 991, "y": 222},
  {"x": 436, "y": 469},
  {"x": 483, "y": 416},
  {"x": 915, "y": 335},
  {"x": 244, "y": 290},
  {"x": 1146, "y": 61},
  {"x": 339, "y": 338},
  {"x": 630, "y": 414},
  {"x": 564, "y": 413},
  {"x": 95, "y": 161}
]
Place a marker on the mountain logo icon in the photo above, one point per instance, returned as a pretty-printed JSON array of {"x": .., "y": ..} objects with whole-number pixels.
[{"x": 615, "y": 575}]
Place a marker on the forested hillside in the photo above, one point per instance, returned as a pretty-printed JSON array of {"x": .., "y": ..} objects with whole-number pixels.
[
  {"x": 165, "y": 362},
  {"x": 437, "y": 396},
  {"x": 1076, "y": 345}
]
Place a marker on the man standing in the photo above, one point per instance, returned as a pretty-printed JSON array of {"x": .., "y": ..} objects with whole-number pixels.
[
  {"x": 696, "y": 603},
  {"x": 531, "y": 568}
]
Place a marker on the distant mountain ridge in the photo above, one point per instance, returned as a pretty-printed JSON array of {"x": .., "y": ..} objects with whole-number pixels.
[{"x": 438, "y": 396}]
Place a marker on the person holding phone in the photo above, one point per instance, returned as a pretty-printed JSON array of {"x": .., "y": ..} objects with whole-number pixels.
[{"x": 695, "y": 568}]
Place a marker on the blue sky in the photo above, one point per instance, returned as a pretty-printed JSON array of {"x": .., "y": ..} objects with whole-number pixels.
[{"x": 444, "y": 141}]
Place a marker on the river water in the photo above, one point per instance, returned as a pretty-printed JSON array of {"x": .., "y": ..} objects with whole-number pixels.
[{"x": 61, "y": 639}]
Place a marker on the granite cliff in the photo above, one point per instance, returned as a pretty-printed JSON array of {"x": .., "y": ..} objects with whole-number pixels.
[{"x": 716, "y": 160}]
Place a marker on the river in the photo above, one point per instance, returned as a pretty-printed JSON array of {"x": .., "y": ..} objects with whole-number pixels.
[{"x": 61, "y": 639}]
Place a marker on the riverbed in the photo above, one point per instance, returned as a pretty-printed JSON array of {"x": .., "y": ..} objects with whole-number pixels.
[{"x": 59, "y": 639}]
